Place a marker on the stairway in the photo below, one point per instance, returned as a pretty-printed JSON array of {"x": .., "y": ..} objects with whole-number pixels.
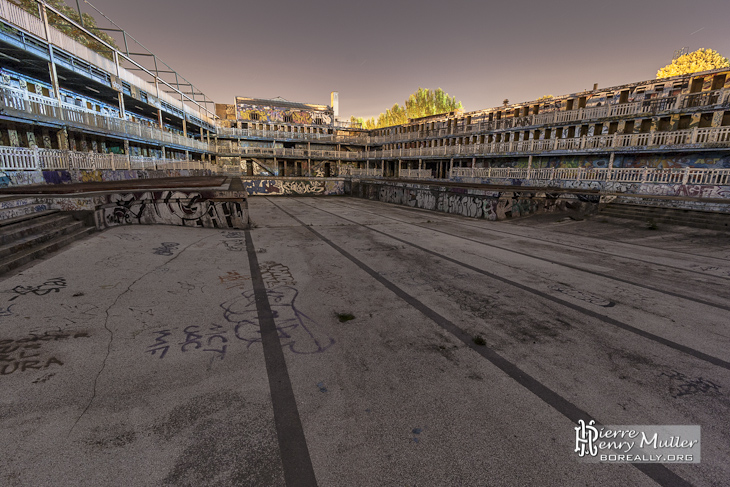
[
  {"x": 29, "y": 230},
  {"x": 669, "y": 216}
]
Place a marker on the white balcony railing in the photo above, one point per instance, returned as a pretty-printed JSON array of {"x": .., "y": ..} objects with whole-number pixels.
[
  {"x": 362, "y": 171},
  {"x": 687, "y": 175},
  {"x": 23, "y": 159},
  {"x": 654, "y": 106},
  {"x": 416, "y": 173},
  {"x": 23, "y": 103}
]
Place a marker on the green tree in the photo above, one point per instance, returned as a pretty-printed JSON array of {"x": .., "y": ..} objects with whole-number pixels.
[
  {"x": 69, "y": 29},
  {"x": 694, "y": 62},
  {"x": 422, "y": 103}
]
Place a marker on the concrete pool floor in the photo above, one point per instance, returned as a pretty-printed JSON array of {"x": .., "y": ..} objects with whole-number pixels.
[{"x": 160, "y": 355}]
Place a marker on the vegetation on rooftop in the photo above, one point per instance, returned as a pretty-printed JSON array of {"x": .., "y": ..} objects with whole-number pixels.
[
  {"x": 694, "y": 62},
  {"x": 56, "y": 21},
  {"x": 422, "y": 103}
]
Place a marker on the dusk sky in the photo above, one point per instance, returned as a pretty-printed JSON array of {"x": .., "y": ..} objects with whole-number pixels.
[{"x": 376, "y": 53}]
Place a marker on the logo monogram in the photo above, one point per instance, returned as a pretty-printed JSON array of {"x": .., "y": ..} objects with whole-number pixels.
[{"x": 585, "y": 437}]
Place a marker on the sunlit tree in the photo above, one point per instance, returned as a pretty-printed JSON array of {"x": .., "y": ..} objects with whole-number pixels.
[
  {"x": 694, "y": 62},
  {"x": 422, "y": 103}
]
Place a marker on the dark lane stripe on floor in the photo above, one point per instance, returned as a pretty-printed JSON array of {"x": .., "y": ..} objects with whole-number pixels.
[
  {"x": 657, "y": 472},
  {"x": 580, "y": 309},
  {"x": 544, "y": 259},
  {"x": 456, "y": 218},
  {"x": 298, "y": 470}
]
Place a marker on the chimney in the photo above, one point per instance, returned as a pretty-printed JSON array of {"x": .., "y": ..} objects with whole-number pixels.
[{"x": 335, "y": 103}]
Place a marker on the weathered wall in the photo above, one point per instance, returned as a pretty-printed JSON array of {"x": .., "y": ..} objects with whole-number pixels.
[
  {"x": 711, "y": 159},
  {"x": 475, "y": 203},
  {"x": 18, "y": 178},
  {"x": 210, "y": 209},
  {"x": 296, "y": 187}
]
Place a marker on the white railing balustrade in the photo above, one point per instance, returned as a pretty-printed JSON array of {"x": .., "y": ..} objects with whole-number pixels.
[
  {"x": 416, "y": 173},
  {"x": 24, "y": 159},
  {"x": 363, "y": 171},
  {"x": 21, "y": 101},
  {"x": 686, "y": 175}
]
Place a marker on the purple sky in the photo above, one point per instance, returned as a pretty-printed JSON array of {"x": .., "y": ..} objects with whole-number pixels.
[{"x": 375, "y": 52}]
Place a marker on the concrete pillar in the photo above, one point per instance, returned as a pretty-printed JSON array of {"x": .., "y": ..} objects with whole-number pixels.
[
  {"x": 610, "y": 161},
  {"x": 30, "y": 136},
  {"x": 62, "y": 138},
  {"x": 185, "y": 128},
  {"x": 51, "y": 59},
  {"x": 13, "y": 138}
]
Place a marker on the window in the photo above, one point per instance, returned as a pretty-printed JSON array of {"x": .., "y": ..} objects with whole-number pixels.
[
  {"x": 645, "y": 126},
  {"x": 696, "y": 86},
  {"x": 718, "y": 82},
  {"x": 684, "y": 122},
  {"x": 706, "y": 120},
  {"x": 612, "y": 128},
  {"x": 629, "y": 127}
]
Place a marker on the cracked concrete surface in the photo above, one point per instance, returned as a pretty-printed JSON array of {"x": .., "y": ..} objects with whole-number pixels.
[{"x": 123, "y": 366}]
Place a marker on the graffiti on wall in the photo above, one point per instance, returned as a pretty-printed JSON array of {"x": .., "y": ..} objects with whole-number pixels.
[
  {"x": 709, "y": 160},
  {"x": 169, "y": 208},
  {"x": 20, "y": 178},
  {"x": 264, "y": 113},
  {"x": 489, "y": 205},
  {"x": 286, "y": 187}
]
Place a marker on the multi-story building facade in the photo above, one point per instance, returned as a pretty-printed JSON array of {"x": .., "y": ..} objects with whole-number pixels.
[
  {"x": 61, "y": 102},
  {"x": 670, "y": 123},
  {"x": 278, "y": 137},
  {"x": 58, "y": 95}
]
